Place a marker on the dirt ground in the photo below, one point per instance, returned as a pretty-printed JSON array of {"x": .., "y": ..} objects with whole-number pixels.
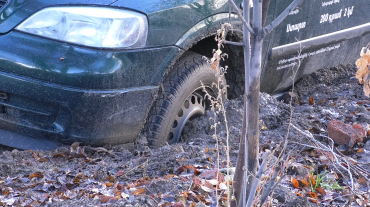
[{"x": 185, "y": 174}]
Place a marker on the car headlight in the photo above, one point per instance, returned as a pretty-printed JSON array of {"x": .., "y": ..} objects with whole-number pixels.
[{"x": 90, "y": 26}]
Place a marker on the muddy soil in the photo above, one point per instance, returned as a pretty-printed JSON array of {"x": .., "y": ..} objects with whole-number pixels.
[{"x": 183, "y": 174}]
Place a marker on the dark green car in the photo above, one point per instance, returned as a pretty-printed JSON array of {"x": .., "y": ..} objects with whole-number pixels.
[{"x": 102, "y": 71}]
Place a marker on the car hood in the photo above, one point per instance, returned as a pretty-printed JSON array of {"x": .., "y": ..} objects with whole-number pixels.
[
  {"x": 15, "y": 11},
  {"x": 152, "y": 6}
]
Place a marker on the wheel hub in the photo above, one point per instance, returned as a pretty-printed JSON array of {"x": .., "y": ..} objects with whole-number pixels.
[{"x": 193, "y": 106}]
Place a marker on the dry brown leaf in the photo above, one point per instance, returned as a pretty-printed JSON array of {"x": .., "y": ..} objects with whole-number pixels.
[
  {"x": 298, "y": 194},
  {"x": 362, "y": 181},
  {"x": 215, "y": 60},
  {"x": 42, "y": 160},
  {"x": 36, "y": 174},
  {"x": 112, "y": 178},
  {"x": 362, "y": 64},
  {"x": 366, "y": 86},
  {"x": 206, "y": 150},
  {"x": 321, "y": 101},
  {"x": 180, "y": 170},
  {"x": 312, "y": 179},
  {"x": 109, "y": 184},
  {"x": 321, "y": 191},
  {"x": 295, "y": 182},
  {"x": 313, "y": 200},
  {"x": 312, "y": 194},
  {"x": 311, "y": 101},
  {"x": 58, "y": 155},
  {"x": 104, "y": 199},
  {"x": 305, "y": 183},
  {"x": 138, "y": 192},
  {"x": 193, "y": 204},
  {"x": 76, "y": 180},
  {"x": 170, "y": 176},
  {"x": 362, "y": 73},
  {"x": 75, "y": 144}
]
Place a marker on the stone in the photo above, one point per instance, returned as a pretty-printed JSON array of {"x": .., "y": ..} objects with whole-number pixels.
[
  {"x": 342, "y": 133},
  {"x": 299, "y": 169}
]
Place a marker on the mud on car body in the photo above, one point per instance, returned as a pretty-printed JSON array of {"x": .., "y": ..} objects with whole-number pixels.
[{"x": 97, "y": 72}]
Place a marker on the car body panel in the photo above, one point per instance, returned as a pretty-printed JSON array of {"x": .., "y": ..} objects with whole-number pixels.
[
  {"x": 65, "y": 114},
  {"x": 56, "y": 62},
  {"x": 180, "y": 16},
  {"x": 328, "y": 32}
]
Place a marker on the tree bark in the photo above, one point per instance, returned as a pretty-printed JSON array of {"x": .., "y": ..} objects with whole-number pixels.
[
  {"x": 254, "y": 90},
  {"x": 239, "y": 181}
]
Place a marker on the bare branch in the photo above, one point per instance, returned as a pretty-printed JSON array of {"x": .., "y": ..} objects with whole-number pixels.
[
  {"x": 233, "y": 43},
  {"x": 257, "y": 180},
  {"x": 269, "y": 185},
  {"x": 281, "y": 17},
  {"x": 249, "y": 28}
]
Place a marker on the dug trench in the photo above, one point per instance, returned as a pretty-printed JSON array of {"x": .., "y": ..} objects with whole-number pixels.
[{"x": 188, "y": 173}]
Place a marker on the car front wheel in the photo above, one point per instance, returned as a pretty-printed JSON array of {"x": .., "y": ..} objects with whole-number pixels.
[{"x": 181, "y": 98}]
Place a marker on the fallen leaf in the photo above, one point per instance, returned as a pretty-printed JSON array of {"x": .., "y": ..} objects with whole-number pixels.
[
  {"x": 213, "y": 182},
  {"x": 208, "y": 187},
  {"x": 295, "y": 182},
  {"x": 223, "y": 186},
  {"x": 206, "y": 150},
  {"x": 104, "y": 199},
  {"x": 193, "y": 197},
  {"x": 321, "y": 191},
  {"x": 166, "y": 204},
  {"x": 109, "y": 184},
  {"x": 362, "y": 181},
  {"x": 75, "y": 144},
  {"x": 312, "y": 194},
  {"x": 111, "y": 178},
  {"x": 311, "y": 101},
  {"x": 180, "y": 170},
  {"x": 313, "y": 200},
  {"x": 313, "y": 182},
  {"x": 304, "y": 183},
  {"x": 138, "y": 192},
  {"x": 298, "y": 194},
  {"x": 362, "y": 73},
  {"x": 321, "y": 101},
  {"x": 42, "y": 160},
  {"x": 363, "y": 102},
  {"x": 193, "y": 204},
  {"x": 36, "y": 174},
  {"x": 170, "y": 176},
  {"x": 120, "y": 173}
]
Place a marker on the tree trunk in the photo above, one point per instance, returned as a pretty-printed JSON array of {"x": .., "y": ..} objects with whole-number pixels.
[
  {"x": 254, "y": 90},
  {"x": 239, "y": 181}
]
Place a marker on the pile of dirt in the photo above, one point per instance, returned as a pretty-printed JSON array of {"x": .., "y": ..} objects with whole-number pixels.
[{"x": 186, "y": 173}]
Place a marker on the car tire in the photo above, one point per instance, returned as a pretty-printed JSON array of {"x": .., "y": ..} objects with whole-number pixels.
[{"x": 181, "y": 98}]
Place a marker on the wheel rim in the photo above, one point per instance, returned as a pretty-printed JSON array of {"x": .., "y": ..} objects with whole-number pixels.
[{"x": 192, "y": 107}]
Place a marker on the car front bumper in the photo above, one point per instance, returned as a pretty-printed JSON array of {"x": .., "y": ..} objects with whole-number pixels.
[{"x": 65, "y": 93}]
